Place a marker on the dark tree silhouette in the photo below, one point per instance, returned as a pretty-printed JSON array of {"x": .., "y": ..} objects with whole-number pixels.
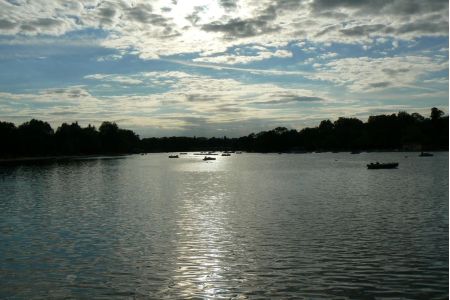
[
  {"x": 8, "y": 139},
  {"x": 114, "y": 140},
  {"x": 381, "y": 132},
  {"x": 35, "y": 138},
  {"x": 436, "y": 114}
]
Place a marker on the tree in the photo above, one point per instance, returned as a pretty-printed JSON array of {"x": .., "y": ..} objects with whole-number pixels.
[
  {"x": 35, "y": 138},
  {"x": 436, "y": 114},
  {"x": 348, "y": 133},
  {"x": 8, "y": 138}
]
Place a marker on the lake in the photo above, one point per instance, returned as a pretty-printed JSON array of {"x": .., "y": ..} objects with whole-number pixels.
[{"x": 249, "y": 226}]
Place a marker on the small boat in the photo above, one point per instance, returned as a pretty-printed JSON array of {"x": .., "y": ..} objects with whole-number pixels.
[
  {"x": 183, "y": 153},
  {"x": 425, "y": 154},
  {"x": 238, "y": 152},
  {"x": 173, "y": 156},
  {"x": 377, "y": 165},
  {"x": 209, "y": 158},
  {"x": 355, "y": 152},
  {"x": 226, "y": 154}
]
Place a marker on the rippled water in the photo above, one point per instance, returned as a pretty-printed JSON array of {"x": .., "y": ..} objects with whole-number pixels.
[{"x": 312, "y": 226}]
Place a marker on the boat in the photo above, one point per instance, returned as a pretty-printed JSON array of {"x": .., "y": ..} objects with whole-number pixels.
[
  {"x": 173, "y": 156},
  {"x": 209, "y": 158},
  {"x": 226, "y": 154},
  {"x": 377, "y": 165},
  {"x": 355, "y": 152},
  {"x": 183, "y": 153},
  {"x": 425, "y": 154}
]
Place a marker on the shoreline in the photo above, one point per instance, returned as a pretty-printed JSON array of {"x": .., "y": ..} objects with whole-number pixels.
[
  {"x": 57, "y": 158},
  {"x": 112, "y": 156}
]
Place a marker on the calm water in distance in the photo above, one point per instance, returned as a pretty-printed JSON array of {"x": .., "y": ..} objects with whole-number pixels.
[{"x": 249, "y": 226}]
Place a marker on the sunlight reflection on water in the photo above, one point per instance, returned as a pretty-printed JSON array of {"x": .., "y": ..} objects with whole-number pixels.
[{"x": 246, "y": 226}]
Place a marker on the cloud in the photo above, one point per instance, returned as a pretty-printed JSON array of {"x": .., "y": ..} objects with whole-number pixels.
[
  {"x": 199, "y": 97},
  {"x": 366, "y": 74},
  {"x": 6, "y": 24},
  {"x": 206, "y": 27},
  {"x": 239, "y": 28},
  {"x": 228, "y": 4},
  {"x": 382, "y": 84},
  {"x": 396, "y": 7},
  {"x": 216, "y": 101},
  {"x": 288, "y": 97},
  {"x": 232, "y": 59},
  {"x": 114, "y": 78},
  {"x": 306, "y": 48}
]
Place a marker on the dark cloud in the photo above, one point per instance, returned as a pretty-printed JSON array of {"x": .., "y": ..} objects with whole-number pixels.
[
  {"x": 194, "y": 17},
  {"x": 26, "y": 27},
  {"x": 70, "y": 92},
  {"x": 45, "y": 23},
  {"x": 63, "y": 113},
  {"x": 260, "y": 24},
  {"x": 282, "y": 98},
  {"x": 228, "y": 4},
  {"x": 333, "y": 15},
  {"x": 143, "y": 13},
  {"x": 107, "y": 14},
  {"x": 199, "y": 98},
  {"x": 228, "y": 109},
  {"x": 41, "y": 24},
  {"x": 6, "y": 24},
  {"x": 321, "y": 5},
  {"x": 279, "y": 5},
  {"x": 382, "y": 84},
  {"x": 424, "y": 27},
  {"x": 13, "y": 2},
  {"x": 395, "y": 7},
  {"x": 363, "y": 30},
  {"x": 393, "y": 72},
  {"x": 193, "y": 121},
  {"x": 327, "y": 30},
  {"x": 429, "y": 16},
  {"x": 413, "y": 7},
  {"x": 238, "y": 28}
]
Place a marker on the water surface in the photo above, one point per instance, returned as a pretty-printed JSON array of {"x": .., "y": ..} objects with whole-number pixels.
[{"x": 249, "y": 226}]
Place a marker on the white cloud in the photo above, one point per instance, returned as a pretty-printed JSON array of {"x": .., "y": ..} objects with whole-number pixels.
[
  {"x": 114, "y": 78},
  {"x": 189, "y": 99},
  {"x": 160, "y": 28},
  {"x": 243, "y": 59},
  {"x": 366, "y": 74}
]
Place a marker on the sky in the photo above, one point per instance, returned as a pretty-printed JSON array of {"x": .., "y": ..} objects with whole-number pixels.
[{"x": 220, "y": 67}]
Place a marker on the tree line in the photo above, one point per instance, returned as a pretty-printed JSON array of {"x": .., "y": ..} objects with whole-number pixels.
[{"x": 401, "y": 131}]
